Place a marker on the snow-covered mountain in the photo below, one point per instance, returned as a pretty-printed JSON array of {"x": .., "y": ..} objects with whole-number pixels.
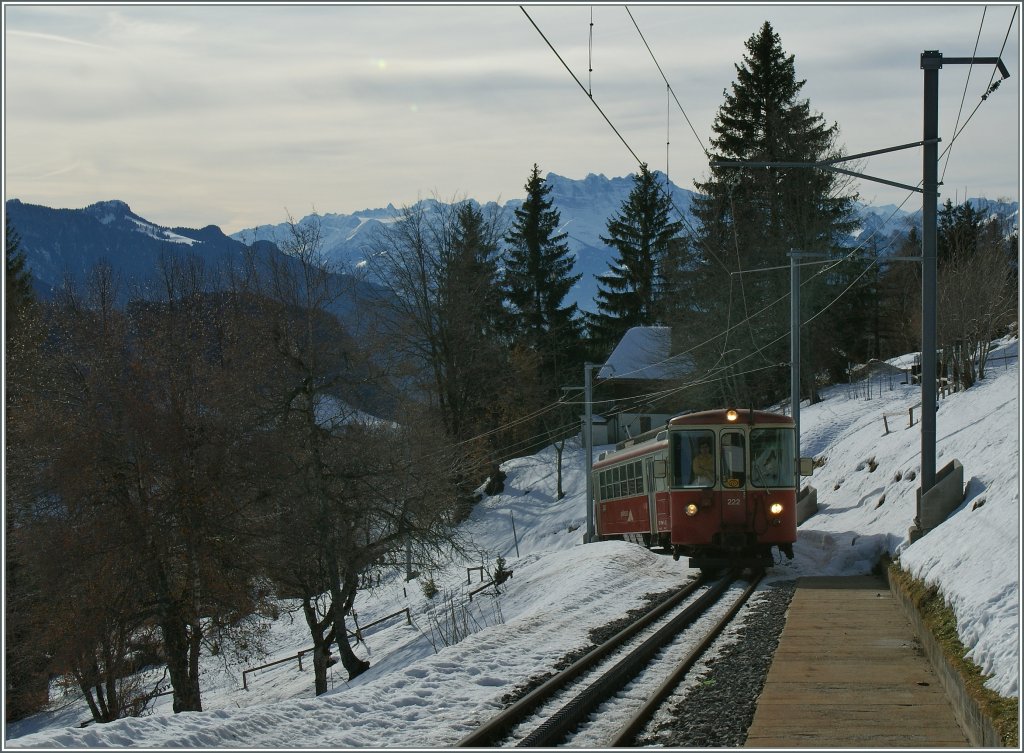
[
  {"x": 60, "y": 241},
  {"x": 585, "y": 206}
]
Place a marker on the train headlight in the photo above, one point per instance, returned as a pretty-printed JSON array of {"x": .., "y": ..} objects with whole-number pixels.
[
  {"x": 731, "y": 415},
  {"x": 691, "y": 509},
  {"x": 776, "y": 508}
]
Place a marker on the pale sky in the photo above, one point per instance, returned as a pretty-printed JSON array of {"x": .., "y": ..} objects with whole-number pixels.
[{"x": 234, "y": 115}]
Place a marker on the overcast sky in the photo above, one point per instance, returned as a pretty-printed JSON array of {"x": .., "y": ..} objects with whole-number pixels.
[{"x": 233, "y": 115}]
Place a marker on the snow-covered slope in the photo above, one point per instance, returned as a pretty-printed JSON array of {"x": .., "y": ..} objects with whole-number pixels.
[{"x": 420, "y": 692}]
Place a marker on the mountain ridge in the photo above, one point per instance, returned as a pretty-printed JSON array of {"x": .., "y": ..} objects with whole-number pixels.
[{"x": 59, "y": 242}]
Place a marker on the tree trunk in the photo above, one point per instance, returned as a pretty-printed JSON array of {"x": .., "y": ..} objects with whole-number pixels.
[
  {"x": 343, "y": 595},
  {"x": 86, "y": 689},
  {"x": 322, "y": 633},
  {"x": 351, "y": 662},
  {"x": 184, "y": 681}
]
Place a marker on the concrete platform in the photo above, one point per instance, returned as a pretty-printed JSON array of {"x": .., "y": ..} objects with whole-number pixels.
[{"x": 849, "y": 673}]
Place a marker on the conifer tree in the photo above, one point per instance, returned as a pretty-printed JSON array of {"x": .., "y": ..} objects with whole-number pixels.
[
  {"x": 472, "y": 315},
  {"x": 751, "y": 218},
  {"x": 958, "y": 230},
  {"x": 642, "y": 234},
  {"x": 538, "y": 277},
  {"x": 18, "y": 295}
]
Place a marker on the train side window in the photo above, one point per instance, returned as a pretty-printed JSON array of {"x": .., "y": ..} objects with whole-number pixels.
[
  {"x": 733, "y": 459},
  {"x": 693, "y": 458}
]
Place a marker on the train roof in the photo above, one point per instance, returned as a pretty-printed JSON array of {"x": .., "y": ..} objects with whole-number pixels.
[
  {"x": 658, "y": 439},
  {"x": 652, "y": 444},
  {"x": 718, "y": 416}
]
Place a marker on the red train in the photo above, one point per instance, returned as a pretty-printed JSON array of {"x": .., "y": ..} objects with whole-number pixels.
[{"x": 719, "y": 486}]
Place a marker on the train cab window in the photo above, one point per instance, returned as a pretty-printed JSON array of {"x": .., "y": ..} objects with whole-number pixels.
[
  {"x": 733, "y": 459},
  {"x": 693, "y": 458},
  {"x": 771, "y": 452}
]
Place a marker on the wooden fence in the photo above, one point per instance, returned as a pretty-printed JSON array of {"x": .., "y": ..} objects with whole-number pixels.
[{"x": 358, "y": 635}]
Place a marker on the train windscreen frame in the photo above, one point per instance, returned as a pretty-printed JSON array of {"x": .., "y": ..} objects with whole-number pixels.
[
  {"x": 772, "y": 452},
  {"x": 686, "y": 449}
]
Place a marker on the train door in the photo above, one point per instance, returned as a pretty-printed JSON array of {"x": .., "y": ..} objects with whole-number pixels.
[
  {"x": 733, "y": 467},
  {"x": 652, "y": 506},
  {"x": 661, "y": 500}
]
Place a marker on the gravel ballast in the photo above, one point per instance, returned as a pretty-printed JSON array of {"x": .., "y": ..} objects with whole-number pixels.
[{"x": 718, "y": 711}]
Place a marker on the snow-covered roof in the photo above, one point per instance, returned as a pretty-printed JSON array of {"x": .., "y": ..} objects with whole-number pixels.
[{"x": 645, "y": 353}]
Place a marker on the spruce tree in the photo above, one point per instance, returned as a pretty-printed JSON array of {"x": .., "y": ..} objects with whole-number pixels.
[
  {"x": 471, "y": 316},
  {"x": 751, "y": 218},
  {"x": 18, "y": 295},
  {"x": 641, "y": 234},
  {"x": 538, "y": 277},
  {"x": 958, "y": 230}
]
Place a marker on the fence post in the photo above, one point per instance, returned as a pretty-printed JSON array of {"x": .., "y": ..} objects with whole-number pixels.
[
  {"x": 515, "y": 537},
  {"x": 886, "y": 422},
  {"x": 300, "y": 659}
]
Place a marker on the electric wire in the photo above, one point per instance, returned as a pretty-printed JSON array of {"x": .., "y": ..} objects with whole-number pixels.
[
  {"x": 685, "y": 220},
  {"x": 579, "y": 83},
  {"x": 590, "y": 57},
  {"x": 635, "y": 402},
  {"x": 967, "y": 83},
  {"x": 993, "y": 85},
  {"x": 667, "y": 84},
  {"x": 648, "y": 397}
]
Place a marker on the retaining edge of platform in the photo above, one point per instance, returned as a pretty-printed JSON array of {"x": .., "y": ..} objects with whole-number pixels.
[{"x": 978, "y": 727}]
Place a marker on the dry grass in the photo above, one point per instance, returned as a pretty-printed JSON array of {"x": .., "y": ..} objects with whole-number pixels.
[{"x": 941, "y": 622}]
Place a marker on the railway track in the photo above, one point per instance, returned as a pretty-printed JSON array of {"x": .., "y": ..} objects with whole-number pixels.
[{"x": 557, "y": 711}]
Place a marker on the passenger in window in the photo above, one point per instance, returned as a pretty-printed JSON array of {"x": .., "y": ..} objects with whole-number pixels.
[{"x": 704, "y": 466}]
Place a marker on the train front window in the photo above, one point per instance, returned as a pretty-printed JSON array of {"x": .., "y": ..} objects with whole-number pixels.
[
  {"x": 693, "y": 458},
  {"x": 771, "y": 452},
  {"x": 733, "y": 459}
]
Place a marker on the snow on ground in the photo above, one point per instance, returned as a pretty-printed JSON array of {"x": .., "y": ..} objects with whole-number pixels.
[{"x": 421, "y": 692}]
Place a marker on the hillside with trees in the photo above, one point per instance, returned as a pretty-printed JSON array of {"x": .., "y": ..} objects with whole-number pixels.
[{"x": 263, "y": 423}]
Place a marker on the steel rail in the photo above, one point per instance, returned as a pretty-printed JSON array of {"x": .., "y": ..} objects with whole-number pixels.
[
  {"x": 626, "y": 735},
  {"x": 499, "y": 725},
  {"x": 552, "y": 731}
]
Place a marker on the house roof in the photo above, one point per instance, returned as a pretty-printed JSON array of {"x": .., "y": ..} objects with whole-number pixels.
[{"x": 645, "y": 353}]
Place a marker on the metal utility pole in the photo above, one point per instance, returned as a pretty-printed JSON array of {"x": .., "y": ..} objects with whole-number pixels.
[
  {"x": 588, "y": 441},
  {"x": 794, "y": 338},
  {"x": 931, "y": 62},
  {"x": 794, "y": 347}
]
